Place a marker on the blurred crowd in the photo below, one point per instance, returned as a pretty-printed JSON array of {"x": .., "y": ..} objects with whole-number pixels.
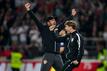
[{"x": 18, "y": 30}]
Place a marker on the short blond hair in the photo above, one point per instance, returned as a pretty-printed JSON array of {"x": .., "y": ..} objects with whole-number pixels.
[{"x": 71, "y": 23}]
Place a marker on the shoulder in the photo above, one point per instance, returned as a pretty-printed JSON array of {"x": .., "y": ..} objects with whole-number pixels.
[{"x": 79, "y": 36}]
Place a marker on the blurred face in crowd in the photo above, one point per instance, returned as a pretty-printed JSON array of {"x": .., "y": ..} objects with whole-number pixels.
[{"x": 73, "y": 12}]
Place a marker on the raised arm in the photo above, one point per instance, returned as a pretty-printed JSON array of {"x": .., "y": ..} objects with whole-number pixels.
[{"x": 38, "y": 23}]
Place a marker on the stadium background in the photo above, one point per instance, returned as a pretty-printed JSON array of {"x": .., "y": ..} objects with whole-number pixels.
[{"x": 17, "y": 30}]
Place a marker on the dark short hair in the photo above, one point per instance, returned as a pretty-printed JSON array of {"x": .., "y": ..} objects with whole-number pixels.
[
  {"x": 71, "y": 23},
  {"x": 49, "y": 18}
]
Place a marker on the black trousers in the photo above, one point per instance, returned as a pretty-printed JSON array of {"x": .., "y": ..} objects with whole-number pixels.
[
  {"x": 68, "y": 66},
  {"x": 15, "y": 69},
  {"x": 51, "y": 59}
]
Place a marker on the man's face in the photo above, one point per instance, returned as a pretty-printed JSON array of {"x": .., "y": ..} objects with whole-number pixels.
[
  {"x": 68, "y": 29},
  {"x": 51, "y": 22}
]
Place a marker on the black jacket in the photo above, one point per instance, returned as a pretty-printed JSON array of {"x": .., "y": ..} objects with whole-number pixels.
[
  {"x": 49, "y": 38},
  {"x": 75, "y": 46}
]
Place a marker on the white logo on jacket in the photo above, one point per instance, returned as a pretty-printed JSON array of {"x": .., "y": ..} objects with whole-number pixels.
[{"x": 72, "y": 39}]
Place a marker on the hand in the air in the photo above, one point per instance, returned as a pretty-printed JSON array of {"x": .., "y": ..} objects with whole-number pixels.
[{"x": 27, "y": 6}]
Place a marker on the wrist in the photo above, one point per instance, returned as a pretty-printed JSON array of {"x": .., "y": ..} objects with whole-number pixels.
[{"x": 28, "y": 9}]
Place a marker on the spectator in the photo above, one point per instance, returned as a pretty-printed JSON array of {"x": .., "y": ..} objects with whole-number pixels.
[
  {"x": 22, "y": 33},
  {"x": 34, "y": 35},
  {"x": 13, "y": 33}
]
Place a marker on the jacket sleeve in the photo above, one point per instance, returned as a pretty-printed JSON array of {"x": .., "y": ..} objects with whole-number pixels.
[
  {"x": 80, "y": 47},
  {"x": 38, "y": 23}
]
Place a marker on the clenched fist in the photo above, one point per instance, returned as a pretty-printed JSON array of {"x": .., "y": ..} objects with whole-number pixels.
[
  {"x": 62, "y": 33},
  {"x": 27, "y": 6}
]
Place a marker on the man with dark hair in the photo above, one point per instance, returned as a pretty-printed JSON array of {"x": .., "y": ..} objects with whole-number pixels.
[
  {"x": 49, "y": 35},
  {"x": 74, "y": 45}
]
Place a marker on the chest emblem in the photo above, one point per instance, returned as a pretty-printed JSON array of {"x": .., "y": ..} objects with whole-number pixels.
[{"x": 72, "y": 39}]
